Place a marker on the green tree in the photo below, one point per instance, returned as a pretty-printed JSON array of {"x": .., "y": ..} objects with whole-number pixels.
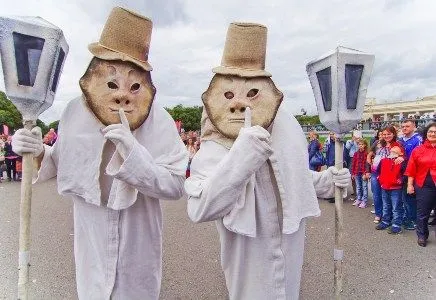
[
  {"x": 9, "y": 114},
  {"x": 190, "y": 116},
  {"x": 41, "y": 124},
  {"x": 308, "y": 120},
  {"x": 54, "y": 125}
]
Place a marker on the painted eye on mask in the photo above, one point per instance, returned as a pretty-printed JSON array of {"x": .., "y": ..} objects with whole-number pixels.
[
  {"x": 135, "y": 87},
  {"x": 112, "y": 85},
  {"x": 251, "y": 93},
  {"x": 229, "y": 95}
]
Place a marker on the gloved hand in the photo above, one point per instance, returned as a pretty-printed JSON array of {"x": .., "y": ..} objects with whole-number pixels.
[
  {"x": 251, "y": 149},
  {"x": 120, "y": 135},
  {"x": 28, "y": 141},
  {"x": 341, "y": 178}
]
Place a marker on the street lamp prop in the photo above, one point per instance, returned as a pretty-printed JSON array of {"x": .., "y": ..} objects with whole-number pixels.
[
  {"x": 33, "y": 52},
  {"x": 339, "y": 82}
]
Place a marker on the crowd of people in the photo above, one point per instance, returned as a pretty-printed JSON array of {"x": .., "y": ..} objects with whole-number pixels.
[
  {"x": 10, "y": 162},
  {"x": 398, "y": 165}
]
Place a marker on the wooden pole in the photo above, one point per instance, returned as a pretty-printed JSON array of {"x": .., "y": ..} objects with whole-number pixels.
[
  {"x": 24, "y": 243},
  {"x": 338, "y": 254}
]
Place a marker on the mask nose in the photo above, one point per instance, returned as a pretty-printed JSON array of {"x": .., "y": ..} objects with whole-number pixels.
[
  {"x": 238, "y": 106},
  {"x": 122, "y": 101}
]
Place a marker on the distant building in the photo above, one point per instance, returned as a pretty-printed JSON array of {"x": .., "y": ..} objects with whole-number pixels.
[{"x": 422, "y": 107}]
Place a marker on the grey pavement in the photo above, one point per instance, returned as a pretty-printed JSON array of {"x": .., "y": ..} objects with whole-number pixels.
[{"x": 376, "y": 265}]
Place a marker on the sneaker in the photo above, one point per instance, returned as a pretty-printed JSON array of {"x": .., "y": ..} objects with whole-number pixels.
[
  {"x": 395, "y": 230},
  {"x": 410, "y": 225},
  {"x": 382, "y": 226},
  {"x": 362, "y": 204},
  {"x": 356, "y": 202},
  {"x": 373, "y": 211},
  {"x": 377, "y": 220}
]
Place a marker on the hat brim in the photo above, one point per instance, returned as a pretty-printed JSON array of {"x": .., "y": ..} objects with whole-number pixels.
[
  {"x": 240, "y": 72},
  {"x": 105, "y": 53}
]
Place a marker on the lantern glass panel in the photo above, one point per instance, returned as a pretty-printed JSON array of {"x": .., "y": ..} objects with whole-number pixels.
[
  {"x": 59, "y": 62},
  {"x": 353, "y": 75},
  {"x": 28, "y": 51},
  {"x": 325, "y": 85}
]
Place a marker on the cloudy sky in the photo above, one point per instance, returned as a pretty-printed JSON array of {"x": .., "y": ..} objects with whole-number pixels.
[{"x": 189, "y": 35}]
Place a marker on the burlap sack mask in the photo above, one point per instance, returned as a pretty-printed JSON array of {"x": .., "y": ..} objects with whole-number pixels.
[
  {"x": 227, "y": 97},
  {"x": 111, "y": 85},
  {"x": 119, "y": 74},
  {"x": 241, "y": 81}
]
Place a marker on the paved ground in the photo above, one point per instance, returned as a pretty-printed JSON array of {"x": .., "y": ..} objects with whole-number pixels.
[{"x": 377, "y": 265}]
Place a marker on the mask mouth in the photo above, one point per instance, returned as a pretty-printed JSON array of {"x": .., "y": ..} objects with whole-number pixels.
[
  {"x": 113, "y": 110},
  {"x": 236, "y": 120}
]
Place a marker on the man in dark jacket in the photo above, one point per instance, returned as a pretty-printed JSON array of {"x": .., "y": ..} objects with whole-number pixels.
[{"x": 410, "y": 140}]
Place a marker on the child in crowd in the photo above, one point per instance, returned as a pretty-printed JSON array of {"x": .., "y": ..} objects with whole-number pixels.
[
  {"x": 358, "y": 173},
  {"x": 377, "y": 153},
  {"x": 391, "y": 182}
]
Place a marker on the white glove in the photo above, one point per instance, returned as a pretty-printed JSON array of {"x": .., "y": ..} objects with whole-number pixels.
[
  {"x": 341, "y": 178},
  {"x": 120, "y": 135},
  {"x": 251, "y": 149},
  {"x": 26, "y": 141}
]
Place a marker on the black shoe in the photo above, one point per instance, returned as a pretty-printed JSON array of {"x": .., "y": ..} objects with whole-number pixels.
[
  {"x": 9, "y": 179},
  {"x": 422, "y": 242},
  {"x": 331, "y": 200}
]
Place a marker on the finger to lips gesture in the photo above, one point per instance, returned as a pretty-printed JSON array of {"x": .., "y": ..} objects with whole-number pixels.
[{"x": 120, "y": 135}]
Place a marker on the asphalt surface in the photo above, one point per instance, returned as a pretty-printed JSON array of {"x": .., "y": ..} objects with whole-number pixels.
[{"x": 376, "y": 265}]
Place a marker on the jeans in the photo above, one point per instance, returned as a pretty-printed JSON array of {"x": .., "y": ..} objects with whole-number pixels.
[
  {"x": 426, "y": 200},
  {"x": 11, "y": 170},
  {"x": 409, "y": 203},
  {"x": 392, "y": 207},
  {"x": 361, "y": 188},
  {"x": 376, "y": 195}
]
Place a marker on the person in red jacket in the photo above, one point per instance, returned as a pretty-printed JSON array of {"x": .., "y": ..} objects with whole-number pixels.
[
  {"x": 421, "y": 172},
  {"x": 391, "y": 182},
  {"x": 359, "y": 170}
]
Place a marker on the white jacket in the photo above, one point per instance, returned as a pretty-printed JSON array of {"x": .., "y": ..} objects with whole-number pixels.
[
  {"x": 117, "y": 219},
  {"x": 259, "y": 213}
]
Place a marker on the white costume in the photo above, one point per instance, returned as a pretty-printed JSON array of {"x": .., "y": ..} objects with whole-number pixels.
[
  {"x": 117, "y": 217},
  {"x": 259, "y": 206}
]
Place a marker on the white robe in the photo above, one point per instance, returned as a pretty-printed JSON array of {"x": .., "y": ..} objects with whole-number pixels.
[
  {"x": 268, "y": 264},
  {"x": 117, "y": 217}
]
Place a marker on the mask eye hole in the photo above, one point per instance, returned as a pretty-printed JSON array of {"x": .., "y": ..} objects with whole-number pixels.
[
  {"x": 229, "y": 95},
  {"x": 112, "y": 85},
  {"x": 135, "y": 87},
  {"x": 251, "y": 93}
]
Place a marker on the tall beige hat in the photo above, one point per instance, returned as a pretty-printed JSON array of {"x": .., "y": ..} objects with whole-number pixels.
[
  {"x": 244, "y": 51},
  {"x": 126, "y": 36}
]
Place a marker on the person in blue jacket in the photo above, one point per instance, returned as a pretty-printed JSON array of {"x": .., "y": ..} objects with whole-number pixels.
[
  {"x": 410, "y": 140},
  {"x": 313, "y": 147},
  {"x": 329, "y": 149}
]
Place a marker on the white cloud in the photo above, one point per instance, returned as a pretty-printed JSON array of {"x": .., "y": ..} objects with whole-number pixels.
[{"x": 188, "y": 40}]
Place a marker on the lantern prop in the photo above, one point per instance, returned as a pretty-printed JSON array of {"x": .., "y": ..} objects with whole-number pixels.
[
  {"x": 33, "y": 52},
  {"x": 339, "y": 82}
]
